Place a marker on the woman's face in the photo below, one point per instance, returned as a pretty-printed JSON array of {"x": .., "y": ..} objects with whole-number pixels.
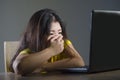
[{"x": 55, "y": 28}]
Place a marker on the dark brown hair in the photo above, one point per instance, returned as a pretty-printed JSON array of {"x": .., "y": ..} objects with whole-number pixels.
[{"x": 37, "y": 31}]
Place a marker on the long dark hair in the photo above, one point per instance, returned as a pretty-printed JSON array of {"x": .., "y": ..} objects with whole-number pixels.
[{"x": 37, "y": 31}]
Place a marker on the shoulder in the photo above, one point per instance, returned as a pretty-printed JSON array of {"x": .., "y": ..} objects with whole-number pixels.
[
  {"x": 25, "y": 51},
  {"x": 67, "y": 41}
]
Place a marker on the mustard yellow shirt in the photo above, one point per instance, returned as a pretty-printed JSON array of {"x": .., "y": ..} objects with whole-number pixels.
[{"x": 53, "y": 58}]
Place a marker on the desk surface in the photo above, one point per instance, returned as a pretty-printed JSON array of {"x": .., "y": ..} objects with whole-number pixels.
[{"x": 109, "y": 75}]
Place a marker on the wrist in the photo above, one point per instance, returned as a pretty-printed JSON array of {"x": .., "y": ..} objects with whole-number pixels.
[{"x": 53, "y": 51}]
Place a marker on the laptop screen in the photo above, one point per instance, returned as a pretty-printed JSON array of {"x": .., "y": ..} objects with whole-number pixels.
[{"x": 105, "y": 40}]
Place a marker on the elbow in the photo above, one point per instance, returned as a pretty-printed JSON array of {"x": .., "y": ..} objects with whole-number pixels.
[
  {"x": 78, "y": 62},
  {"x": 22, "y": 70},
  {"x": 18, "y": 68},
  {"x": 15, "y": 67}
]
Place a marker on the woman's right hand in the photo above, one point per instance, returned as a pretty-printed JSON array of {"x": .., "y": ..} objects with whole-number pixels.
[{"x": 56, "y": 43}]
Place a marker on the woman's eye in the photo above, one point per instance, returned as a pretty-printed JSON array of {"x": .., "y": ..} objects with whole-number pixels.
[
  {"x": 51, "y": 33},
  {"x": 60, "y": 32}
]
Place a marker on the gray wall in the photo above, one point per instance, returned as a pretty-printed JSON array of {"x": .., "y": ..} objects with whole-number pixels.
[{"x": 14, "y": 15}]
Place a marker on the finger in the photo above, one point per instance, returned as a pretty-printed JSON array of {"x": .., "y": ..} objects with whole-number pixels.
[
  {"x": 62, "y": 41},
  {"x": 60, "y": 38},
  {"x": 54, "y": 38},
  {"x": 50, "y": 37}
]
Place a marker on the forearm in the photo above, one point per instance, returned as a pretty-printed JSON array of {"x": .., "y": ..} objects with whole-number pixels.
[
  {"x": 74, "y": 60},
  {"x": 68, "y": 62},
  {"x": 31, "y": 62},
  {"x": 73, "y": 53}
]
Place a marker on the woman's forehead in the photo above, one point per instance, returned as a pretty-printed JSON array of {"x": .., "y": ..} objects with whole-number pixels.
[{"x": 55, "y": 26}]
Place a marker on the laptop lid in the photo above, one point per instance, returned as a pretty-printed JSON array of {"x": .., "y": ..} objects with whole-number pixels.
[{"x": 105, "y": 41}]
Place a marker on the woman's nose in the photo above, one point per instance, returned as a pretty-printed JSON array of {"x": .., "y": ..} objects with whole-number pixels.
[{"x": 56, "y": 33}]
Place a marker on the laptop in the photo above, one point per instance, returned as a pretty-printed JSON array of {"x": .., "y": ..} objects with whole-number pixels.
[{"x": 104, "y": 43}]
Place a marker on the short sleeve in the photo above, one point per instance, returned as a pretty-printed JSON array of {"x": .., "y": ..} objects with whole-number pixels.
[
  {"x": 67, "y": 42},
  {"x": 25, "y": 51}
]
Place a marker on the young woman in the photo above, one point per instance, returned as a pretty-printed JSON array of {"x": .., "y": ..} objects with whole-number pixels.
[{"x": 44, "y": 46}]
